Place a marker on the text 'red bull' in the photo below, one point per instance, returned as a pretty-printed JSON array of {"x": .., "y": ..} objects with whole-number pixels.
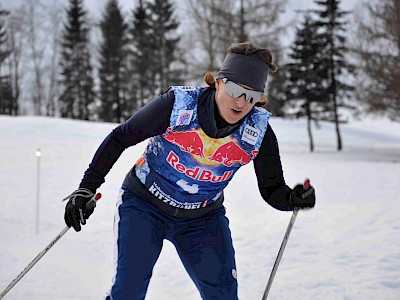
[{"x": 196, "y": 173}]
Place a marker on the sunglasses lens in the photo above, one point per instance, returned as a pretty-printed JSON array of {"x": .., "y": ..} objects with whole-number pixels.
[{"x": 234, "y": 90}]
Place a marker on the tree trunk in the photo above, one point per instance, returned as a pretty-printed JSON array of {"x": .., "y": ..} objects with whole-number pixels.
[
  {"x": 335, "y": 106},
  {"x": 309, "y": 119}
]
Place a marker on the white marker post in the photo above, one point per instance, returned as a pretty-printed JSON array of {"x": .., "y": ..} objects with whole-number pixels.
[{"x": 38, "y": 155}]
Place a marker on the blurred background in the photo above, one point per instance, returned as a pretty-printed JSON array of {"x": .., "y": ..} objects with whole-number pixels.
[{"x": 102, "y": 60}]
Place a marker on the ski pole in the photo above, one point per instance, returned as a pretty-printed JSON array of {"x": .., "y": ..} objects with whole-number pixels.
[
  {"x": 89, "y": 205},
  {"x": 280, "y": 253},
  {"x": 306, "y": 186}
]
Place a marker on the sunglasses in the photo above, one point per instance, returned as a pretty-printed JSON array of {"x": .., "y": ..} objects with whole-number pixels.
[{"x": 235, "y": 90}]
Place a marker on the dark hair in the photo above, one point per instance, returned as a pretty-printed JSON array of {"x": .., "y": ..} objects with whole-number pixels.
[{"x": 249, "y": 49}]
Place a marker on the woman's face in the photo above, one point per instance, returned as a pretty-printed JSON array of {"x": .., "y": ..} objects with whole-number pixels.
[{"x": 232, "y": 110}]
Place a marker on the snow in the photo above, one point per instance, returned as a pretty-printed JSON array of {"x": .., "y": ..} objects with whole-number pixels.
[{"x": 345, "y": 248}]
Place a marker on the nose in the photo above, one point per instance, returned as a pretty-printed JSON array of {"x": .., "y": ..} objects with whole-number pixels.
[{"x": 240, "y": 101}]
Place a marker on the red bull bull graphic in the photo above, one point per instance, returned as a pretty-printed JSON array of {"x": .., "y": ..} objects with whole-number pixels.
[
  {"x": 188, "y": 141},
  {"x": 197, "y": 173},
  {"x": 229, "y": 154}
]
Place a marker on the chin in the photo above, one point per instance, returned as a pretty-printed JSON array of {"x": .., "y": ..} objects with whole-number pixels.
[{"x": 233, "y": 120}]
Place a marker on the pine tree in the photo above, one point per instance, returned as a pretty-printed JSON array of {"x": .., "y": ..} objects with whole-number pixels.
[
  {"x": 141, "y": 59},
  {"x": 306, "y": 84},
  {"x": 15, "y": 37},
  {"x": 165, "y": 44},
  {"x": 77, "y": 80},
  {"x": 112, "y": 64},
  {"x": 331, "y": 25},
  {"x": 6, "y": 98},
  {"x": 276, "y": 88},
  {"x": 154, "y": 58},
  {"x": 4, "y": 51}
]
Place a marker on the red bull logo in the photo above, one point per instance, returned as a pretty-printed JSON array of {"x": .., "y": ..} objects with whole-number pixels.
[
  {"x": 188, "y": 141},
  {"x": 196, "y": 173},
  {"x": 229, "y": 154}
]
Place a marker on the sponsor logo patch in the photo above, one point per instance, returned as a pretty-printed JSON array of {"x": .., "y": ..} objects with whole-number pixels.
[
  {"x": 184, "y": 117},
  {"x": 156, "y": 190},
  {"x": 250, "y": 134}
]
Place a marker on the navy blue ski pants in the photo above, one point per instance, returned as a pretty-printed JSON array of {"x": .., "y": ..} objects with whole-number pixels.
[{"x": 204, "y": 246}]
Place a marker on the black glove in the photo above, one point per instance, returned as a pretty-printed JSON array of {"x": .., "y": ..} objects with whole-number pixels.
[
  {"x": 76, "y": 212},
  {"x": 302, "y": 196}
]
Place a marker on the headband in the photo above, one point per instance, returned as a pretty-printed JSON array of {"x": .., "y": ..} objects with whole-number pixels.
[{"x": 244, "y": 70}]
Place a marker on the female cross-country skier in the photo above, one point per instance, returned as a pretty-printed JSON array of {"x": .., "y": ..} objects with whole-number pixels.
[{"x": 198, "y": 138}]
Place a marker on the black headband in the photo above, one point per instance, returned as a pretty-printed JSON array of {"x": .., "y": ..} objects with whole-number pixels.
[{"x": 244, "y": 70}]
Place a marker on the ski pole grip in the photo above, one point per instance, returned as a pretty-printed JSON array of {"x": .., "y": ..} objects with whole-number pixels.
[
  {"x": 92, "y": 202},
  {"x": 306, "y": 184}
]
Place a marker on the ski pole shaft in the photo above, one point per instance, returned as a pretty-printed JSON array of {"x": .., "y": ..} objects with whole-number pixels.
[
  {"x": 37, "y": 258},
  {"x": 280, "y": 253},
  {"x": 89, "y": 205},
  {"x": 306, "y": 186}
]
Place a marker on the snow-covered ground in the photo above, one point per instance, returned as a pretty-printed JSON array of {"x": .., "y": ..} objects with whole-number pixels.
[{"x": 348, "y": 247}]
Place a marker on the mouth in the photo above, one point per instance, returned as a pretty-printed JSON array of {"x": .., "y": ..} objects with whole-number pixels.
[{"x": 236, "y": 112}]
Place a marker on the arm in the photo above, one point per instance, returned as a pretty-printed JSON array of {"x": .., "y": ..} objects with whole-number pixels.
[
  {"x": 268, "y": 168},
  {"x": 152, "y": 119}
]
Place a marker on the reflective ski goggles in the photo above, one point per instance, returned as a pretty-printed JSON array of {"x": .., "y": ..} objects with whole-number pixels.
[{"x": 235, "y": 90}]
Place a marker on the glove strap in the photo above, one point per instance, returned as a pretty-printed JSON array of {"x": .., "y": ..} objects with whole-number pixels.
[{"x": 81, "y": 192}]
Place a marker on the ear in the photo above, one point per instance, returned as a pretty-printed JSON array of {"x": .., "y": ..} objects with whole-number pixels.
[{"x": 217, "y": 84}]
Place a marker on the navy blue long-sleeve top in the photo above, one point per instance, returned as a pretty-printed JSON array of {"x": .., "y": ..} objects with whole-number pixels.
[{"x": 153, "y": 119}]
